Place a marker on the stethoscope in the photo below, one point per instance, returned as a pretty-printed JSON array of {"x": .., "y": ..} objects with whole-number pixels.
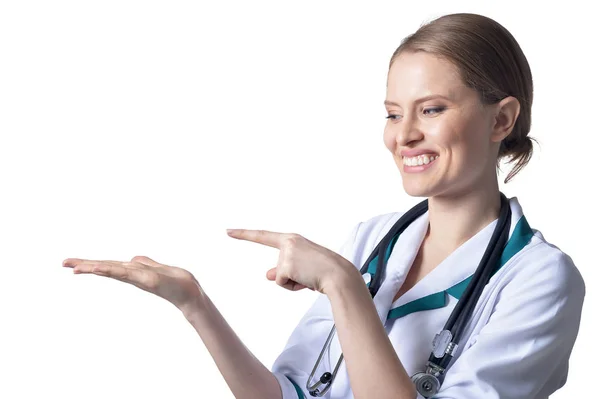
[{"x": 428, "y": 382}]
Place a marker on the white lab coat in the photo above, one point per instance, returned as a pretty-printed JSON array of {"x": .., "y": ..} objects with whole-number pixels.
[{"x": 517, "y": 344}]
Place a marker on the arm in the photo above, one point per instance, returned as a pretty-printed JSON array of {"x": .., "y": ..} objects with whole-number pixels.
[
  {"x": 374, "y": 368},
  {"x": 293, "y": 366},
  {"x": 245, "y": 375},
  {"x": 347, "y": 302}
]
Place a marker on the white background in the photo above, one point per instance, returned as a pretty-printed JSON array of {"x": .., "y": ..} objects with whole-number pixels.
[{"x": 149, "y": 127}]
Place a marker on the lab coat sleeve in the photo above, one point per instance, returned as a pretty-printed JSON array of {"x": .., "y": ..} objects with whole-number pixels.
[
  {"x": 523, "y": 350},
  {"x": 294, "y": 365}
]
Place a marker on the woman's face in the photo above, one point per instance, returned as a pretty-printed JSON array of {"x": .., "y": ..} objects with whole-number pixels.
[{"x": 438, "y": 130}]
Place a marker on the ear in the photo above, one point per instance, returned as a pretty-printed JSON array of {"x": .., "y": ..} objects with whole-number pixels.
[{"x": 507, "y": 112}]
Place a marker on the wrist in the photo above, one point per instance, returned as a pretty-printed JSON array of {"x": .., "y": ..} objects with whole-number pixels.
[
  {"x": 343, "y": 278},
  {"x": 195, "y": 307}
]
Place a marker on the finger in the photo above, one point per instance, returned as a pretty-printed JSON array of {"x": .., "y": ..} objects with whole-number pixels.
[
  {"x": 270, "y": 238},
  {"x": 117, "y": 270},
  {"x": 77, "y": 263},
  {"x": 74, "y": 262},
  {"x": 272, "y": 276},
  {"x": 71, "y": 262},
  {"x": 298, "y": 287},
  {"x": 280, "y": 280},
  {"x": 136, "y": 274},
  {"x": 140, "y": 277},
  {"x": 287, "y": 283},
  {"x": 294, "y": 286}
]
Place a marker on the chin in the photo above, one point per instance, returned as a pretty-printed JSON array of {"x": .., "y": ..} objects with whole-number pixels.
[{"x": 415, "y": 188}]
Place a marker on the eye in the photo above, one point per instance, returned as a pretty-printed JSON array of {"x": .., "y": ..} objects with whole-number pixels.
[
  {"x": 393, "y": 117},
  {"x": 433, "y": 110}
]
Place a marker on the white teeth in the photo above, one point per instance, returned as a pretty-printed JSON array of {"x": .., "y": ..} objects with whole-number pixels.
[{"x": 419, "y": 160}]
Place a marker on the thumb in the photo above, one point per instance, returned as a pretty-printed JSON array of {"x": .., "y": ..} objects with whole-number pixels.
[
  {"x": 272, "y": 274},
  {"x": 145, "y": 261}
]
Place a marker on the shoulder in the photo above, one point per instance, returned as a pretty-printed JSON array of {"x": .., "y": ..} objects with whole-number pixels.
[
  {"x": 523, "y": 340},
  {"x": 543, "y": 274}
]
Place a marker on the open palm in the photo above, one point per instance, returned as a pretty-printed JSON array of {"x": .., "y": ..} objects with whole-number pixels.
[{"x": 174, "y": 284}]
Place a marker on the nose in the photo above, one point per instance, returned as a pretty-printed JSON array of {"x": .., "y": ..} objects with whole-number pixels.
[{"x": 407, "y": 131}]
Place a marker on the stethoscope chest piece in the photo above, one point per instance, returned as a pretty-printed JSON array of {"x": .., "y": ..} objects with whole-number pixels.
[{"x": 427, "y": 385}]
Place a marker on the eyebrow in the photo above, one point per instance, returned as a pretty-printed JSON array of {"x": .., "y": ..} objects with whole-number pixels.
[{"x": 420, "y": 100}]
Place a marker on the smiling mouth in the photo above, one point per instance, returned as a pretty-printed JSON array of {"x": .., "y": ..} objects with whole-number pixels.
[{"x": 423, "y": 159}]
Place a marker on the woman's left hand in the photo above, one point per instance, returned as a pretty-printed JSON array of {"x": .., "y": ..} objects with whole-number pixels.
[{"x": 302, "y": 263}]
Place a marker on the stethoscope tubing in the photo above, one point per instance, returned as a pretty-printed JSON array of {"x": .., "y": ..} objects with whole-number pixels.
[{"x": 464, "y": 308}]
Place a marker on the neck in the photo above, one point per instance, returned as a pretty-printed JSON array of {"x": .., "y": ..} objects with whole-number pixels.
[{"x": 453, "y": 220}]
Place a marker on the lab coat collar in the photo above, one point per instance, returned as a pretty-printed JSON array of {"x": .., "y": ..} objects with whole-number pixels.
[{"x": 449, "y": 277}]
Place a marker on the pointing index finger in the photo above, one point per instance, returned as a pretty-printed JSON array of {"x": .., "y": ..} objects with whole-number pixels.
[{"x": 270, "y": 238}]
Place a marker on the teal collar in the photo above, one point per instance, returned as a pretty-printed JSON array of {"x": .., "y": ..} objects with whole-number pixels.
[
  {"x": 297, "y": 388},
  {"x": 520, "y": 237}
]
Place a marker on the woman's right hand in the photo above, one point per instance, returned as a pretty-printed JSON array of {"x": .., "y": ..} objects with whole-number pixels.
[{"x": 174, "y": 284}]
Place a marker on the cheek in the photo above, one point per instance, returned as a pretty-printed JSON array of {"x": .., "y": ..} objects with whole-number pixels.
[
  {"x": 476, "y": 141},
  {"x": 467, "y": 144},
  {"x": 446, "y": 136},
  {"x": 459, "y": 135},
  {"x": 389, "y": 140}
]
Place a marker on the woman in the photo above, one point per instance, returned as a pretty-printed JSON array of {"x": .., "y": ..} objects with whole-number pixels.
[{"x": 458, "y": 98}]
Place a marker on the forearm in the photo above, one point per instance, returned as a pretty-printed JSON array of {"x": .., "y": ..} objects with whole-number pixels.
[
  {"x": 373, "y": 365},
  {"x": 245, "y": 375}
]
